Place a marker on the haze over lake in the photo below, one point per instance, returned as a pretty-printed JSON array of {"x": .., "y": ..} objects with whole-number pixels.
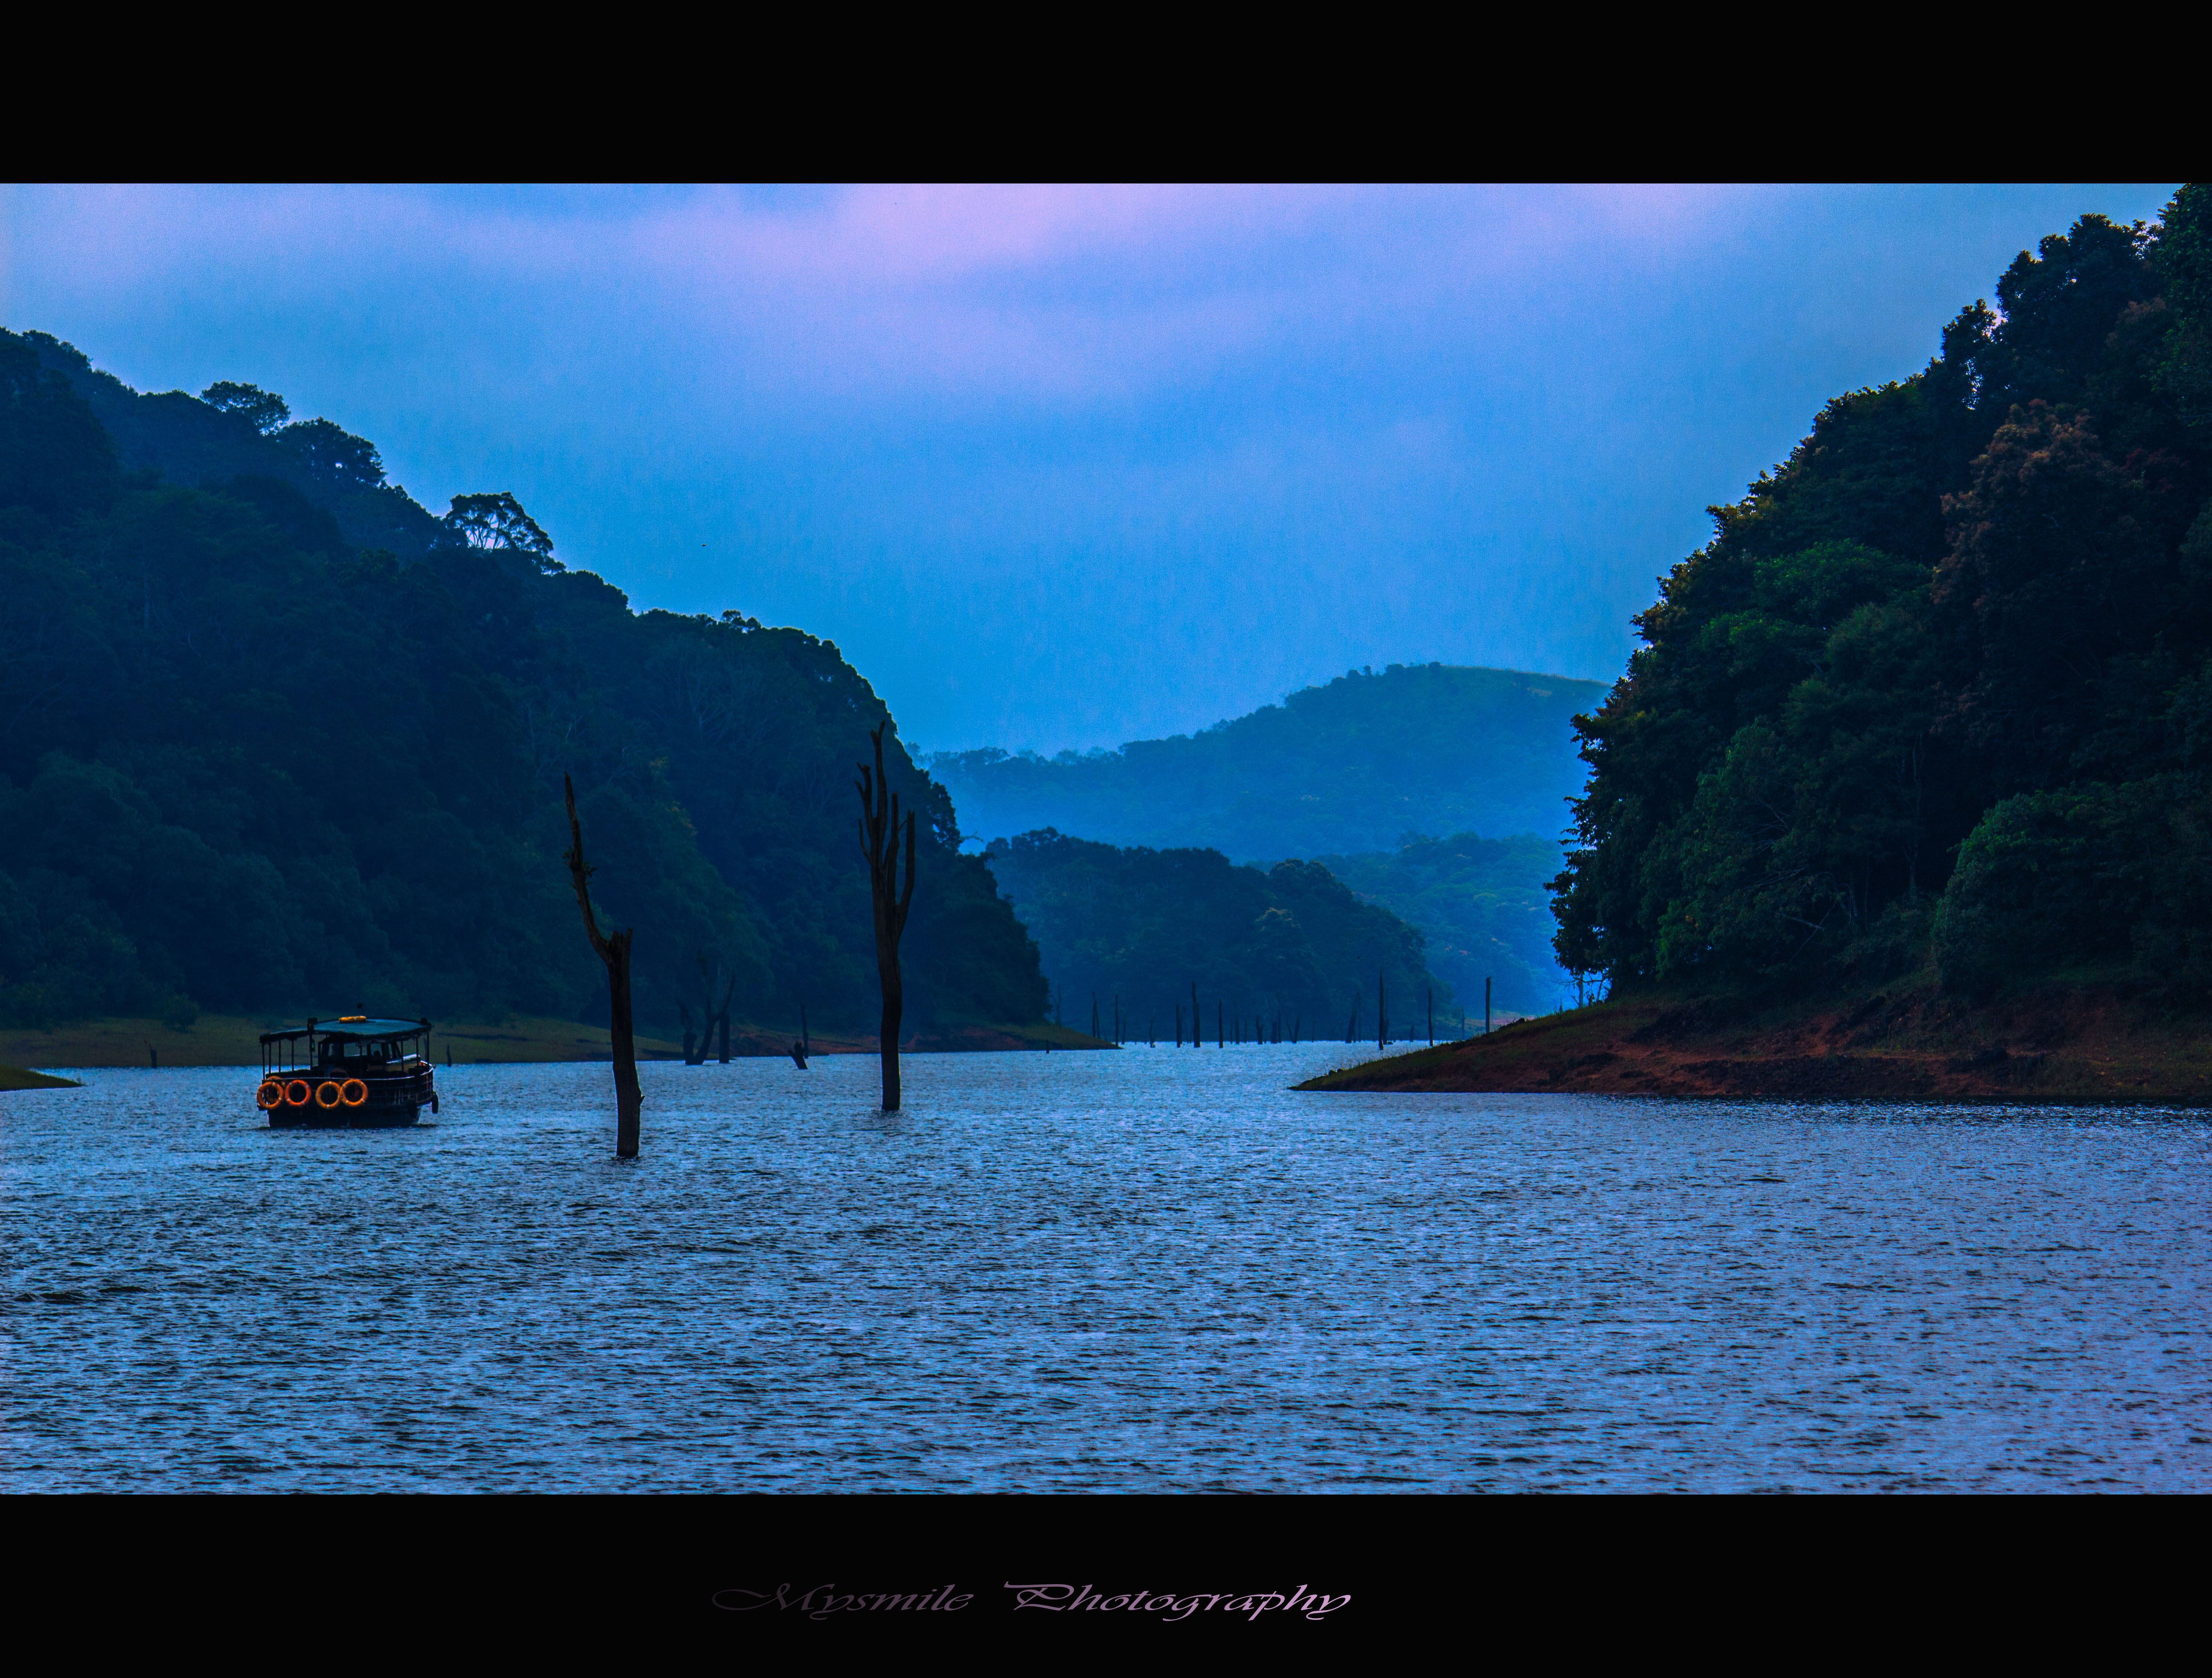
[{"x": 1142, "y": 1270}]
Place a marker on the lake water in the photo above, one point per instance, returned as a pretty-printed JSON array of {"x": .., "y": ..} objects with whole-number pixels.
[{"x": 1147, "y": 1270}]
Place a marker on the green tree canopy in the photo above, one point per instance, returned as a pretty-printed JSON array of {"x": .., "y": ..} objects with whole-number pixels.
[
  {"x": 276, "y": 739},
  {"x": 1985, "y": 586},
  {"x": 265, "y": 411}
]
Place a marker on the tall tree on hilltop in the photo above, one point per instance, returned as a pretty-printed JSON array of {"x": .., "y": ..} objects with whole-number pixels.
[
  {"x": 265, "y": 411},
  {"x": 498, "y": 521},
  {"x": 614, "y": 950},
  {"x": 879, "y": 825}
]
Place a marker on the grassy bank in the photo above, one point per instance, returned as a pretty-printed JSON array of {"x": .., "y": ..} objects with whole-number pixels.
[
  {"x": 2093, "y": 1044},
  {"x": 216, "y": 1040},
  {"x": 17, "y": 1078}
]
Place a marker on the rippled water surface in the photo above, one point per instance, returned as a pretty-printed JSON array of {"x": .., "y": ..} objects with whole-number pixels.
[{"x": 1136, "y": 1271}]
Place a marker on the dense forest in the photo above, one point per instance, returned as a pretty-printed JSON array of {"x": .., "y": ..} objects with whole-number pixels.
[
  {"x": 1937, "y": 696},
  {"x": 272, "y": 737},
  {"x": 1289, "y": 950},
  {"x": 1350, "y": 766},
  {"x": 1481, "y": 906}
]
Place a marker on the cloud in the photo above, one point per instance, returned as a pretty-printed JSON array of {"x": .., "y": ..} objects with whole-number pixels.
[{"x": 1124, "y": 458}]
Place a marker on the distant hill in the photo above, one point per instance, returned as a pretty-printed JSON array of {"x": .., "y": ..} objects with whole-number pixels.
[
  {"x": 1352, "y": 766},
  {"x": 274, "y": 737},
  {"x": 1289, "y": 947},
  {"x": 1483, "y": 904}
]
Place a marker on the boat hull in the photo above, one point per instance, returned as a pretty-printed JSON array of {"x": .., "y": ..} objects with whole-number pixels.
[{"x": 385, "y": 1102}]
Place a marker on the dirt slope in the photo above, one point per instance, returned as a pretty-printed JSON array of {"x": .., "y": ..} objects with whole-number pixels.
[{"x": 2089, "y": 1046}]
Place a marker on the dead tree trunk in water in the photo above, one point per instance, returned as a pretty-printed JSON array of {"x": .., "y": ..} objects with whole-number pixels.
[
  {"x": 879, "y": 825},
  {"x": 711, "y": 1015},
  {"x": 615, "y": 953}
]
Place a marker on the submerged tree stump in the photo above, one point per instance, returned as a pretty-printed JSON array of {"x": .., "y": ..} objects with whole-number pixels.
[
  {"x": 879, "y": 825},
  {"x": 614, "y": 950}
]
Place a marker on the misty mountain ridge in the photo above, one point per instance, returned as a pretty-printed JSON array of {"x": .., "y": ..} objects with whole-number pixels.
[{"x": 1355, "y": 765}]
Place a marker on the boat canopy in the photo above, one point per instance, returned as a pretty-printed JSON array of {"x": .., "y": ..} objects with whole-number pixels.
[{"x": 351, "y": 1028}]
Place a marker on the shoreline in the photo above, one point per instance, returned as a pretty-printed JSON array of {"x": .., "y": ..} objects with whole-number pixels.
[
  {"x": 230, "y": 1040},
  {"x": 2091, "y": 1046}
]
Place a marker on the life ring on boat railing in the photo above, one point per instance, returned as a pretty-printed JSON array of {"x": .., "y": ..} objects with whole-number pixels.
[
  {"x": 327, "y": 1094},
  {"x": 270, "y": 1094},
  {"x": 295, "y": 1092},
  {"x": 353, "y": 1092}
]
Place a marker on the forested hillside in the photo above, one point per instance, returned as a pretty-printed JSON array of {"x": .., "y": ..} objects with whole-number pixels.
[
  {"x": 1290, "y": 948},
  {"x": 1939, "y": 692},
  {"x": 272, "y": 737},
  {"x": 1481, "y": 905},
  {"x": 1350, "y": 766}
]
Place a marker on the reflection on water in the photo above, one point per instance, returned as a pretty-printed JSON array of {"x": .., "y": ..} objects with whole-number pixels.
[{"x": 1138, "y": 1271}]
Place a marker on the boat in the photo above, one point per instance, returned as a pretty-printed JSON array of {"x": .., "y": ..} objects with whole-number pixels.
[{"x": 349, "y": 1071}]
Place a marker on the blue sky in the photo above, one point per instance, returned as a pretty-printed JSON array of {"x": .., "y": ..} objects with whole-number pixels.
[{"x": 1062, "y": 466}]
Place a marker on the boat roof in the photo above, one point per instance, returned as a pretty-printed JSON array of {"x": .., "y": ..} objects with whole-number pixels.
[{"x": 354, "y": 1027}]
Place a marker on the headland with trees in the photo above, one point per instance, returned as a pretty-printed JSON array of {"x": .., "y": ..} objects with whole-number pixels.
[{"x": 1908, "y": 789}]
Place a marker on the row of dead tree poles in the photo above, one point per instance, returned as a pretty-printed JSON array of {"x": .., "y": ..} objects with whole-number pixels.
[
  {"x": 879, "y": 826},
  {"x": 1382, "y": 1014},
  {"x": 1270, "y": 1030},
  {"x": 1224, "y": 1027},
  {"x": 1197, "y": 1022},
  {"x": 614, "y": 950}
]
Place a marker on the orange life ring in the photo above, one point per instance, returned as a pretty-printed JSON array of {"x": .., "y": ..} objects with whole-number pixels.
[
  {"x": 270, "y": 1094},
  {"x": 353, "y": 1092},
  {"x": 295, "y": 1092},
  {"x": 329, "y": 1090}
]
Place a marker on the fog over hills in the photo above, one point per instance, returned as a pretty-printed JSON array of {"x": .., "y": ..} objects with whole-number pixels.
[
  {"x": 1352, "y": 766},
  {"x": 1437, "y": 792}
]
